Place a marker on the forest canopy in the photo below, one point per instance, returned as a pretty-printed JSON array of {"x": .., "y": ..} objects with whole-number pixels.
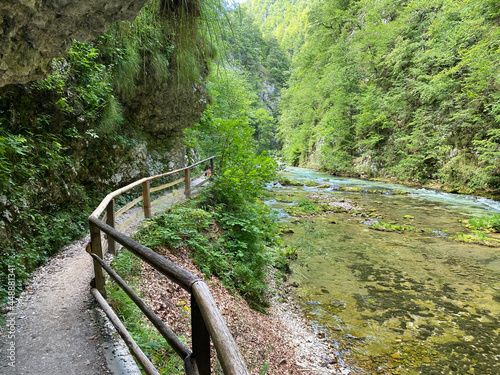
[{"x": 393, "y": 89}]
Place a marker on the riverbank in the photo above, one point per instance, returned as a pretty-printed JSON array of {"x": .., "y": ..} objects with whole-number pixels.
[
  {"x": 278, "y": 342},
  {"x": 437, "y": 185}
]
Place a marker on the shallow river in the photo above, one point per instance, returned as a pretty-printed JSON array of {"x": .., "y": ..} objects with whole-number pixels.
[{"x": 389, "y": 302}]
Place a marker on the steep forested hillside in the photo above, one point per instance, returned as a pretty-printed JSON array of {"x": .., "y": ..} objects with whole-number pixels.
[
  {"x": 247, "y": 78},
  {"x": 110, "y": 112},
  {"x": 285, "y": 20},
  {"x": 404, "y": 90}
]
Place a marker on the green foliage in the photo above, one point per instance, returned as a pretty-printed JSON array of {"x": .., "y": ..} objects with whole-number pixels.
[
  {"x": 229, "y": 244},
  {"x": 303, "y": 208},
  {"x": 239, "y": 252},
  {"x": 127, "y": 264},
  {"x": 249, "y": 233},
  {"x": 241, "y": 173},
  {"x": 144, "y": 333},
  {"x": 42, "y": 206},
  {"x": 12, "y": 148},
  {"x": 168, "y": 42},
  {"x": 246, "y": 83},
  {"x": 486, "y": 223},
  {"x": 395, "y": 90},
  {"x": 283, "y": 19},
  {"x": 478, "y": 238},
  {"x": 392, "y": 227},
  {"x": 81, "y": 89},
  {"x": 225, "y": 131},
  {"x": 178, "y": 227}
]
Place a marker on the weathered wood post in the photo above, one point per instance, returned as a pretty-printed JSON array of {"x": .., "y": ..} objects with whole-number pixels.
[
  {"x": 96, "y": 248},
  {"x": 146, "y": 196},
  {"x": 200, "y": 339},
  {"x": 187, "y": 190},
  {"x": 110, "y": 220},
  {"x": 212, "y": 167},
  {"x": 228, "y": 353}
]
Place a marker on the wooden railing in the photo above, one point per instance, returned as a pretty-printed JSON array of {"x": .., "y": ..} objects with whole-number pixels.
[{"x": 206, "y": 320}]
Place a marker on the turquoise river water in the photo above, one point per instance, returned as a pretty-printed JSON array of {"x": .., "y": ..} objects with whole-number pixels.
[{"x": 395, "y": 303}]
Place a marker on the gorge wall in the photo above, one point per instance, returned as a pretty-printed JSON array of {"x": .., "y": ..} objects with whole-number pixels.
[
  {"x": 33, "y": 32},
  {"x": 85, "y": 107}
]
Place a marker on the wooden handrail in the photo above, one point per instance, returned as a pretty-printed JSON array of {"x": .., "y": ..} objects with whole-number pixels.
[
  {"x": 146, "y": 364},
  {"x": 227, "y": 351},
  {"x": 102, "y": 206},
  {"x": 171, "y": 270},
  {"x": 176, "y": 344},
  {"x": 206, "y": 319}
]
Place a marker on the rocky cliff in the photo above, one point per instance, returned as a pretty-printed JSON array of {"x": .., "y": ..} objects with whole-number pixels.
[
  {"x": 98, "y": 117},
  {"x": 33, "y": 32}
]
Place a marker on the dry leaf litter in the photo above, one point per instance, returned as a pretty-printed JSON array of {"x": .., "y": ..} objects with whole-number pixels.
[{"x": 281, "y": 338}]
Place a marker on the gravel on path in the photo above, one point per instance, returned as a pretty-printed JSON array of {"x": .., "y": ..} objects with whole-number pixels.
[{"x": 59, "y": 328}]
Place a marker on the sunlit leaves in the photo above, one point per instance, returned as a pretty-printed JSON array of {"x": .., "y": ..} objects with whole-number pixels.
[{"x": 396, "y": 84}]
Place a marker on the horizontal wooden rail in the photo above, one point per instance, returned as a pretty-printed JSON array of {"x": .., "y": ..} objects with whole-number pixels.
[
  {"x": 198, "y": 175},
  {"x": 128, "y": 206},
  {"x": 102, "y": 206},
  {"x": 144, "y": 361},
  {"x": 206, "y": 320},
  {"x": 180, "y": 348},
  {"x": 161, "y": 199},
  {"x": 175, "y": 273},
  {"x": 200, "y": 184},
  {"x": 170, "y": 184}
]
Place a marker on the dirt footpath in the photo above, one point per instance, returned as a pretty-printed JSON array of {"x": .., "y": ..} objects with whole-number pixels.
[{"x": 59, "y": 327}]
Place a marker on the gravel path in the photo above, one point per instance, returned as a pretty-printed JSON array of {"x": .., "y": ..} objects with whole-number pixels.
[{"x": 59, "y": 328}]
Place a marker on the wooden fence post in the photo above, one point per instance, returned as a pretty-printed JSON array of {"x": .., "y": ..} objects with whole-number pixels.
[
  {"x": 200, "y": 339},
  {"x": 110, "y": 220},
  {"x": 96, "y": 248},
  {"x": 187, "y": 190},
  {"x": 146, "y": 196},
  {"x": 212, "y": 167}
]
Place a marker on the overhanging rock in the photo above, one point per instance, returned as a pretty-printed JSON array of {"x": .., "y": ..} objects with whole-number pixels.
[{"x": 33, "y": 32}]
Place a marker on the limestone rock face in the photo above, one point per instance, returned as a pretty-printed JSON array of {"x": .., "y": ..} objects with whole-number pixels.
[
  {"x": 33, "y": 32},
  {"x": 164, "y": 110}
]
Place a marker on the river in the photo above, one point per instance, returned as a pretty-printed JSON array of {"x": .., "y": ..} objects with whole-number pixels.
[{"x": 404, "y": 302}]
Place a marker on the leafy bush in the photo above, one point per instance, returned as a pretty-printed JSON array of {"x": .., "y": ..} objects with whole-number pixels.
[
  {"x": 229, "y": 244},
  {"x": 228, "y": 230},
  {"x": 489, "y": 223}
]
